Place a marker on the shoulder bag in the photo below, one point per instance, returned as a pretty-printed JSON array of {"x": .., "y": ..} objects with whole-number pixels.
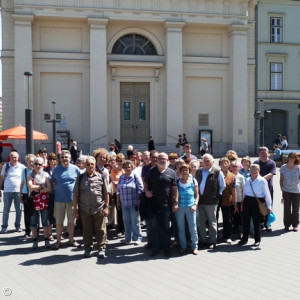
[{"x": 261, "y": 205}]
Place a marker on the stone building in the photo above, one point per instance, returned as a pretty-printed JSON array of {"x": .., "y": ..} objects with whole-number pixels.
[
  {"x": 278, "y": 68},
  {"x": 128, "y": 69}
]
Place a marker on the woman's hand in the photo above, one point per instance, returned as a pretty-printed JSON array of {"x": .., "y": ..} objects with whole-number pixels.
[
  {"x": 193, "y": 207},
  {"x": 105, "y": 211},
  {"x": 175, "y": 207}
]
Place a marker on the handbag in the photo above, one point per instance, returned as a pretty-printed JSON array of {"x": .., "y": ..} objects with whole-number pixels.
[
  {"x": 40, "y": 201},
  {"x": 177, "y": 145},
  {"x": 261, "y": 205}
]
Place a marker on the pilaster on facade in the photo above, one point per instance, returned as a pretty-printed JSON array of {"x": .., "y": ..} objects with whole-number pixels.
[
  {"x": 239, "y": 86},
  {"x": 174, "y": 78},
  {"x": 22, "y": 60},
  {"x": 98, "y": 78}
]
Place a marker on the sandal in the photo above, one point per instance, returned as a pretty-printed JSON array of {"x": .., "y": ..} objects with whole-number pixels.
[
  {"x": 51, "y": 238},
  {"x": 56, "y": 246},
  {"x": 74, "y": 244}
]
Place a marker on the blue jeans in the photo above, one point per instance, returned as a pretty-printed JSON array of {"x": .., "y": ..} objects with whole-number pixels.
[
  {"x": 160, "y": 229},
  {"x": 132, "y": 223},
  {"x": 34, "y": 219},
  {"x": 190, "y": 216},
  {"x": 8, "y": 198}
]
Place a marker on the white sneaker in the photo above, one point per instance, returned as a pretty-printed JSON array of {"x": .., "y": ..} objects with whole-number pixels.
[
  {"x": 138, "y": 242},
  {"x": 229, "y": 241},
  {"x": 101, "y": 254}
]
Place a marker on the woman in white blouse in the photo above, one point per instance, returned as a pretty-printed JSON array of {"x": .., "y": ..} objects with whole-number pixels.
[
  {"x": 256, "y": 187},
  {"x": 290, "y": 186}
]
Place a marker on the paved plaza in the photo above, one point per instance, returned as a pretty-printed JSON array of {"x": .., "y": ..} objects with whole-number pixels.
[{"x": 228, "y": 272}]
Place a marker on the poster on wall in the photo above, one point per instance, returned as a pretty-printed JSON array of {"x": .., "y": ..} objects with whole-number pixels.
[{"x": 63, "y": 136}]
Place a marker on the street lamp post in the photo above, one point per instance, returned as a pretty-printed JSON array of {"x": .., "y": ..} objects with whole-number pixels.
[
  {"x": 28, "y": 115},
  {"x": 262, "y": 116},
  {"x": 56, "y": 119}
]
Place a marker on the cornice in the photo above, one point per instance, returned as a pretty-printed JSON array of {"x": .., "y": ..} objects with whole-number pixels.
[
  {"x": 23, "y": 18},
  {"x": 97, "y": 22},
  {"x": 238, "y": 29},
  {"x": 174, "y": 26}
]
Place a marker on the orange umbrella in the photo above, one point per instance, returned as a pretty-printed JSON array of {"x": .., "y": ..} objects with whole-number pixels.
[{"x": 19, "y": 133}]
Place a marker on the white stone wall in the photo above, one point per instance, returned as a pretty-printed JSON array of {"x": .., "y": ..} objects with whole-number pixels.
[{"x": 202, "y": 67}]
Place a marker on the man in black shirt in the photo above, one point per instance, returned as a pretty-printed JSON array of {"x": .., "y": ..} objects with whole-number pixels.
[{"x": 160, "y": 186}]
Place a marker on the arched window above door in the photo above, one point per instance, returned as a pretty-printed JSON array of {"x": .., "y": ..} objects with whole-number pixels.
[{"x": 134, "y": 44}]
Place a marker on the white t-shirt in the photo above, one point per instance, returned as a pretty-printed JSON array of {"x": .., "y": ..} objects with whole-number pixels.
[{"x": 12, "y": 180}]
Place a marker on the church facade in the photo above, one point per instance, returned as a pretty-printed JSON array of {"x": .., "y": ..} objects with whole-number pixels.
[{"x": 128, "y": 69}]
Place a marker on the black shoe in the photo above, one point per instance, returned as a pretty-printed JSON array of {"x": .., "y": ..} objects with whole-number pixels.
[
  {"x": 242, "y": 242},
  {"x": 154, "y": 253},
  {"x": 212, "y": 246},
  {"x": 202, "y": 245},
  {"x": 148, "y": 246},
  {"x": 268, "y": 229},
  {"x": 167, "y": 253},
  {"x": 256, "y": 244}
]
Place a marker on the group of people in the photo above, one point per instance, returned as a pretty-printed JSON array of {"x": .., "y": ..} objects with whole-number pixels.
[{"x": 174, "y": 195}]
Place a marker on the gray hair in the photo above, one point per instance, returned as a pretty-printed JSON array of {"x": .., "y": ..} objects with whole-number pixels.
[
  {"x": 89, "y": 158},
  {"x": 29, "y": 156},
  {"x": 255, "y": 166},
  {"x": 207, "y": 155},
  {"x": 39, "y": 160},
  {"x": 65, "y": 152}
]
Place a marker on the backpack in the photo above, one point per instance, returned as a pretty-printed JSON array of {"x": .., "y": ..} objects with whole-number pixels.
[{"x": 7, "y": 166}]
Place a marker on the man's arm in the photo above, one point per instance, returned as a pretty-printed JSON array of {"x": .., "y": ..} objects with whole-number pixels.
[{"x": 75, "y": 205}]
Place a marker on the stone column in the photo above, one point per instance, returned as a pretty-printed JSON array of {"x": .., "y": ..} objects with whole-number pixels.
[
  {"x": 98, "y": 81},
  {"x": 174, "y": 80},
  {"x": 238, "y": 90},
  {"x": 22, "y": 63}
]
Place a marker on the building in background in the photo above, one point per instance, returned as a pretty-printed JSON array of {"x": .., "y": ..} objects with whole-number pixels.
[
  {"x": 128, "y": 69},
  {"x": 278, "y": 68}
]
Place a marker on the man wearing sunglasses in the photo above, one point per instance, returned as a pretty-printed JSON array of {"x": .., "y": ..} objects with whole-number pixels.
[
  {"x": 90, "y": 195},
  {"x": 64, "y": 177}
]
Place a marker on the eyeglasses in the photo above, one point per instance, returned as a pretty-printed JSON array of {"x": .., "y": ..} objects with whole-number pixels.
[
  {"x": 52, "y": 159},
  {"x": 62, "y": 157},
  {"x": 112, "y": 160},
  {"x": 119, "y": 160},
  {"x": 37, "y": 164},
  {"x": 172, "y": 158}
]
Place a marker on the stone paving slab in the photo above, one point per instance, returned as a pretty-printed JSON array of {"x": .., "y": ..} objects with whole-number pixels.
[{"x": 229, "y": 272}]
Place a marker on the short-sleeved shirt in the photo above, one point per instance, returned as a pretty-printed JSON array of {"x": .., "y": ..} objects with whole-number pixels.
[
  {"x": 92, "y": 191},
  {"x": 12, "y": 178},
  {"x": 239, "y": 186},
  {"x": 246, "y": 173},
  {"x": 145, "y": 170},
  {"x": 129, "y": 189},
  {"x": 265, "y": 168},
  {"x": 24, "y": 175},
  {"x": 290, "y": 179},
  {"x": 161, "y": 184},
  {"x": 64, "y": 178}
]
